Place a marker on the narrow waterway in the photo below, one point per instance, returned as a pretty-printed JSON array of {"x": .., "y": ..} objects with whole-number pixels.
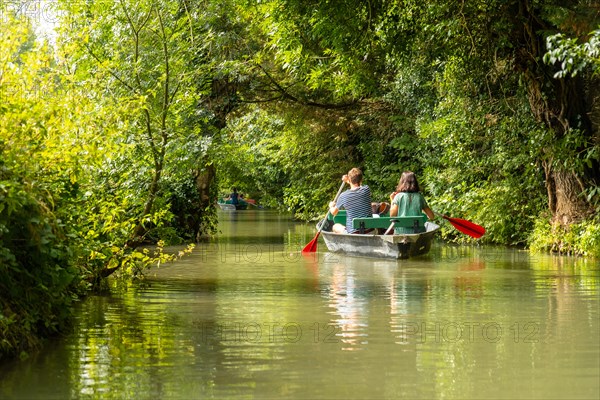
[{"x": 248, "y": 317}]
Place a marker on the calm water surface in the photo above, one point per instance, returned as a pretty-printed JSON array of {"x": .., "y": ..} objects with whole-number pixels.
[{"x": 247, "y": 317}]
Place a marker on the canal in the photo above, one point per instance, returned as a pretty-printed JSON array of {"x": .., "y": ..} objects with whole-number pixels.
[{"x": 248, "y": 317}]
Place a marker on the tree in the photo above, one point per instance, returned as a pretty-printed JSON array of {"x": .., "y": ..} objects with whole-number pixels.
[
  {"x": 562, "y": 104},
  {"x": 481, "y": 44},
  {"x": 38, "y": 274},
  {"x": 135, "y": 62}
]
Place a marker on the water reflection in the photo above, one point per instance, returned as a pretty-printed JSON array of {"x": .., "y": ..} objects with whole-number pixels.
[
  {"x": 247, "y": 318},
  {"x": 469, "y": 281},
  {"x": 349, "y": 308}
]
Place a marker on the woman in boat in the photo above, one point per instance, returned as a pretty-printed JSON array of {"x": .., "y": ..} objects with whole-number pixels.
[
  {"x": 356, "y": 201},
  {"x": 407, "y": 201}
]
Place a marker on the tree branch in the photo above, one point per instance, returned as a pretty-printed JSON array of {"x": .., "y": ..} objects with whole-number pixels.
[{"x": 287, "y": 95}]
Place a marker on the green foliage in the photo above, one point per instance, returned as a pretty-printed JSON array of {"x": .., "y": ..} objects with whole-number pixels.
[
  {"x": 480, "y": 158},
  {"x": 77, "y": 173},
  {"x": 439, "y": 96},
  {"x": 572, "y": 56},
  {"x": 38, "y": 278},
  {"x": 582, "y": 239},
  {"x": 138, "y": 60},
  {"x": 318, "y": 44},
  {"x": 290, "y": 163}
]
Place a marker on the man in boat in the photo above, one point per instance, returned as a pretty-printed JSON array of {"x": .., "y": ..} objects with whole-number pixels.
[
  {"x": 356, "y": 201},
  {"x": 234, "y": 197}
]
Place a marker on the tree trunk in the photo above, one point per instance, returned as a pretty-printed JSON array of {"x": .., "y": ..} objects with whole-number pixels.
[
  {"x": 205, "y": 184},
  {"x": 562, "y": 106},
  {"x": 565, "y": 199},
  {"x": 560, "y": 109}
]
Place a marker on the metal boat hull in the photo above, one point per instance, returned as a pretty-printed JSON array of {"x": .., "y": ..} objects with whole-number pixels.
[
  {"x": 382, "y": 246},
  {"x": 232, "y": 207}
]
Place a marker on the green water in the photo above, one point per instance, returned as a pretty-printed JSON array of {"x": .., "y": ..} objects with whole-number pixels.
[{"x": 247, "y": 317}]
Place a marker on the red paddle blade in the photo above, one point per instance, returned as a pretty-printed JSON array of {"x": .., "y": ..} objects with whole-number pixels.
[
  {"x": 467, "y": 227},
  {"x": 311, "y": 247}
]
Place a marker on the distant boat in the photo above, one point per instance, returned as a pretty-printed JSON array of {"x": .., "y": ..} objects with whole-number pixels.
[
  {"x": 241, "y": 205},
  {"x": 232, "y": 207}
]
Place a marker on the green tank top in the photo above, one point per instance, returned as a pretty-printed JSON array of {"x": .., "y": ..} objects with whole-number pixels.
[{"x": 409, "y": 205}]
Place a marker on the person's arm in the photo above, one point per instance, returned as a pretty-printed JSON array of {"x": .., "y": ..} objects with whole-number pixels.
[
  {"x": 425, "y": 208},
  {"x": 429, "y": 213},
  {"x": 333, "y": 210},
  {"x": 395, "y": 205}
]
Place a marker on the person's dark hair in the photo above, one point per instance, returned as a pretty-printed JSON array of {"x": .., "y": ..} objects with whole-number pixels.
[
  {"x": 355, "y": 175},
  {"x": 408, "y": 183}
]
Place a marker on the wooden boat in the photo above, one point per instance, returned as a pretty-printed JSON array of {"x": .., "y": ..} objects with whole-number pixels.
[{"x": 374, "y": 243}]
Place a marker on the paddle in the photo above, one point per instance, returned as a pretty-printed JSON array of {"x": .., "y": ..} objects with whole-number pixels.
[
  {"x": 311, "y": 247},
  {"x": 464, "y": 226},
  {"x": 389, "y": 229}
]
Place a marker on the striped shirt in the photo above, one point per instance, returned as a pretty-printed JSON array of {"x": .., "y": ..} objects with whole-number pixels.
[{"x": 357, "y": 203}]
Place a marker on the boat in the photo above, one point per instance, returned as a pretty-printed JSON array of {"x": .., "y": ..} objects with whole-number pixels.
[
  {"x": 375, "y": 243},
  {"x": 232, "y": 207},
  {"x": 227, "y": 204}
]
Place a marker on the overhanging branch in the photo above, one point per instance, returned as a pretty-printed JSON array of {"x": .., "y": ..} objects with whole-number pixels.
[{"x": 285, "y": 95}]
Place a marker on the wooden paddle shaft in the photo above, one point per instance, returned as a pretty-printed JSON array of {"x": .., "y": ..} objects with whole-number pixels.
[
  {"x": 311, "y": 247},
  {"x": 335, "y": 199}
]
